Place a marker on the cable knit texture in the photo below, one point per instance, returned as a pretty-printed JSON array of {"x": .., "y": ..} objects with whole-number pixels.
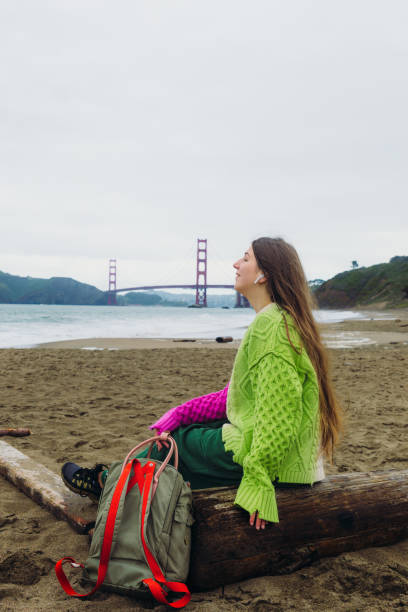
[
  {"x": 273, "y": 412},
  {"x": 198, "y": 410}
]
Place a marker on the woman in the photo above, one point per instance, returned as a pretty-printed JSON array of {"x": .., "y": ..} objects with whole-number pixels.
[{"x": 279, "y": 412}]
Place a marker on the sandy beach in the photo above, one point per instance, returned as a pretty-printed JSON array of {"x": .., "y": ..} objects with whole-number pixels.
[{"x": 94, "y": 405}]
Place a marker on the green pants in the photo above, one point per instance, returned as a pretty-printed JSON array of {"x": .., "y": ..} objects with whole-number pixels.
[{"x": 203, "y": 460}]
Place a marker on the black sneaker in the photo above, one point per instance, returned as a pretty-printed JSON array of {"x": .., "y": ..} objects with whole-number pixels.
[{"x": 83, "y": 481}]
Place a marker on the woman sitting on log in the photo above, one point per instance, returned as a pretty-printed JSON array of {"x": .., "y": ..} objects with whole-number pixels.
[{"x": 278, "y": 414}]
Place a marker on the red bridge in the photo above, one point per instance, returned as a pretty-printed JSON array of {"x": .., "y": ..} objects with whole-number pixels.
[{"x": 200, "y": 285}]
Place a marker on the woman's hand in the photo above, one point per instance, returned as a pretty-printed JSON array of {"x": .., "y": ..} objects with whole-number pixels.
[
  {"x": 254, "y": 519},
  {"x": 163, "y": 435}
]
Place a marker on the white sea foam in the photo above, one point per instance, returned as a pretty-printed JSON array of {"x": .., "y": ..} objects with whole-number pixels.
[
  {"x": 24, "y": 325},
  {"x": 346, "y": 339}
]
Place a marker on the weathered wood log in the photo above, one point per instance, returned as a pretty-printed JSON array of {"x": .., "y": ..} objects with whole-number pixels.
[
  {"x": 15, "y": 431},
  {"x": 342, "y": 513},
  {"x": 46, "y": 488}
]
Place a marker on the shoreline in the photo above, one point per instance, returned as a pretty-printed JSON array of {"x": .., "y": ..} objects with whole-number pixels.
[
  {"x": 342, "y": 334},
  {"x": 137, "y": 343},
  {"x": 365, "y": 327}
]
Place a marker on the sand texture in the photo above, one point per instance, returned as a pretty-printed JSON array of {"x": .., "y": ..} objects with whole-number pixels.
[{"x": 94, "y": 405}]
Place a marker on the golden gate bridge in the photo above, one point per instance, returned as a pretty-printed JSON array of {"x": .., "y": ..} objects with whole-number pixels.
[{"x": 200, "y": 286}]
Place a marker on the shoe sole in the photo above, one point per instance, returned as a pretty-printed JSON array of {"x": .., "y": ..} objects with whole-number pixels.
[{"x": 80, "y": 493}]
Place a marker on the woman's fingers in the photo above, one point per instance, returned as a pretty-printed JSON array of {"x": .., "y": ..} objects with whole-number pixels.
[
  {"x": 259, "y": 523},
  {"x": 161, "y": 444},
  {"x": 163, "y": 435}
]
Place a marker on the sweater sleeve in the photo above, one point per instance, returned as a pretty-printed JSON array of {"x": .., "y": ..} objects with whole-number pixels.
[
  {"x": 198, "y": 410},
  {"x": 278, "y": 411}
]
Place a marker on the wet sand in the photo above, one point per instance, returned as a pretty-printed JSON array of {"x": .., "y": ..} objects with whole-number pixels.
[
  {"x": 94, "y": 405},
  {"x": 138, "y": 343}
]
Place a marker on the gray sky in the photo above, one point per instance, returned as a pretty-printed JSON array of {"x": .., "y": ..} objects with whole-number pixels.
[{"x": 130, "y": 128}]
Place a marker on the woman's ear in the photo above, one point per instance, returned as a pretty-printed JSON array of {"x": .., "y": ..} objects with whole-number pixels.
[{"x": 259, "y": 278}]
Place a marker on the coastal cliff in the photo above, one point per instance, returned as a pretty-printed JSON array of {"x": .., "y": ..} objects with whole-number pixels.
[{"x": 381, "y": 286}]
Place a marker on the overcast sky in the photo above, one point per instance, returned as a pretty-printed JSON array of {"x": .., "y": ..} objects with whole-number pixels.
[{"x": 130, "y": 128}]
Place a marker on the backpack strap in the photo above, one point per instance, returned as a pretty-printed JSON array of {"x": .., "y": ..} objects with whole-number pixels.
[
  {"x": 173, "y": 451},
  {"x": 153, "y": 584},
  {"x": 106, "y": 544}
]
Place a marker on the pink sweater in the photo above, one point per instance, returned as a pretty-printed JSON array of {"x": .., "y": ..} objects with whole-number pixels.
[{"x": 198, "y": 410}]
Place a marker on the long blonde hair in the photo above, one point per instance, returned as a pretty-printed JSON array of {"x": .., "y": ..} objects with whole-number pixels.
[{"x": 287, "y": 286}]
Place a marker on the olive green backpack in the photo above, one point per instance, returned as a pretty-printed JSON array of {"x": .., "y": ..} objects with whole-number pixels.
[{"x": 142, "y": 539}]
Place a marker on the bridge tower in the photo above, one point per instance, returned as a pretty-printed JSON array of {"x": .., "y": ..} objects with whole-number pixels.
[
  {"x": 201, "y": 277},
  {"x": 112, "y": 283}
]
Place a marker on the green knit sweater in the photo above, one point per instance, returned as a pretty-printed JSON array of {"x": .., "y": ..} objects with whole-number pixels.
[{"x": 273, "y": 412}]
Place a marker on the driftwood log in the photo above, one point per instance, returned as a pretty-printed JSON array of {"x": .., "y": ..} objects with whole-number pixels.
[
  {"x": 15, "y": 431},
  {"x": 342, "y": 513},
  {"x": 45, "y": 488}
]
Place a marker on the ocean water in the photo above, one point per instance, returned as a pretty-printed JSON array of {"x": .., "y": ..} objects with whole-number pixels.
[{"x": 23, "y": 326}]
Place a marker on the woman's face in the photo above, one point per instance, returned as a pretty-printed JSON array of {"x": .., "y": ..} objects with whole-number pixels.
[{"x": 247, "y": 271}]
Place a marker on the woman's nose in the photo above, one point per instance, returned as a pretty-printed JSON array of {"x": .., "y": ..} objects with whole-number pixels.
[{"x": 236, "y": 265}]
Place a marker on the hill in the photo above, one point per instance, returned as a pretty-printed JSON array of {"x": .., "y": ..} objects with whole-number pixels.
[
  {"x": 67, "y": 291},
  {"x": 56, "y": 290},
  {"x": 382, "y": 286}
]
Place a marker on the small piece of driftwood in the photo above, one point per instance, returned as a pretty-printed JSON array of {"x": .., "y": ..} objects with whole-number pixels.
[
  {"x": 342, "y": 513},
  {"x": 16, "y": 432}
]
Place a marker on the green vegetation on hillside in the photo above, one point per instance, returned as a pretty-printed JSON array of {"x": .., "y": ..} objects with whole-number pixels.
[
  {"x": 67, "y": 291},
  {"x": 383, "y": 285},
  {"x": 28, "y": 290}
]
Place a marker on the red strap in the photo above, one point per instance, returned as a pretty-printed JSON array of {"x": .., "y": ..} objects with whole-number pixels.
[
  {"x": 106, "y": 544},
  {"x": 137, "y": 478},
  {"x": 161, "y": 595},
  {"x": 156, "y": 589},
  {"x": 64, "y": 580}
]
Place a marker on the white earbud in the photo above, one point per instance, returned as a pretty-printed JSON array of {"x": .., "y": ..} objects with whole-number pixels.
[{"x": 258, "y": 278}]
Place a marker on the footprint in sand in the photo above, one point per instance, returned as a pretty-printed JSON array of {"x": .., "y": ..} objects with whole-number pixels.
[{"x": 23, "y": 567}]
